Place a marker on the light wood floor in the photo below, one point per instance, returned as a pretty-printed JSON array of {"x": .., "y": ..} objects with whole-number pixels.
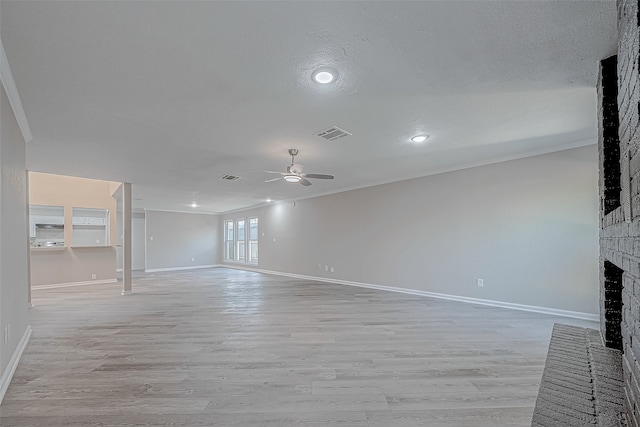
[{"x": 221, "y": 347}]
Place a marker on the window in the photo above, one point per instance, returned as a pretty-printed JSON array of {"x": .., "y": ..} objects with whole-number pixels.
[
  {"x": 46, "y": 226},
  {"x": 90, "y": 227},
  {"x": 241, "y": 240},
  {"x": 253, "y": 240},
  {"x": 229, "y": 237}
]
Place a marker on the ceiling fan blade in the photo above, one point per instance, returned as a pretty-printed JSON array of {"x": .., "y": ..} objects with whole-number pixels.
[
  {"x": 305, "y": 182},
  {"x": 318, "y": 176},
  {"x": 274, "y": 179},
  {"x": 273, "y": 172}
]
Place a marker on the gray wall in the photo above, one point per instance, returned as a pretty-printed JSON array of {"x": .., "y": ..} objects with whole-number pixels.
[
  {"x": 528, "y": 227},
  {"x": 174, "y": 239},
  {"x": 14, "y": 233}
]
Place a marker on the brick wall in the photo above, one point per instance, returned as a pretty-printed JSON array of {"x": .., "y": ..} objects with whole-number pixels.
[{"x": 620, "y": 215}]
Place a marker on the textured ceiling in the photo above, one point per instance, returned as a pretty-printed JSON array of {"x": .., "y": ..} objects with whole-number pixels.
[{"x": 172, "y": 95}]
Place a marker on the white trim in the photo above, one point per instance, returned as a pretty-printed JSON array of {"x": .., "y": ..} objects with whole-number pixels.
[
  {"x": 13, "y": 363},
  {"x": 193, "y": 267},
  {"x": 70, "y": 284},
  {"x": 492, "y": 303},
  {"x": 125, "y": 293},
  {"x": 231, "y": 262},
  {"x": 14, "y": 96},
  {"x": 119, "y": 270}
]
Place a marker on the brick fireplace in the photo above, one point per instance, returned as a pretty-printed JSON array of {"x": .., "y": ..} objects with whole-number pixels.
[{"x": 619, "y": 146}]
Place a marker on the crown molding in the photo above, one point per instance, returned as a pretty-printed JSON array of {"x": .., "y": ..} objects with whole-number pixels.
[{"x": 14, "y": 97}]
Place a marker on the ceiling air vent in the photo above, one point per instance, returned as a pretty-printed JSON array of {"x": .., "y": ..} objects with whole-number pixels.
[
  {"x": 333, "y": 133},
  {"x": 229, "y": 178}
]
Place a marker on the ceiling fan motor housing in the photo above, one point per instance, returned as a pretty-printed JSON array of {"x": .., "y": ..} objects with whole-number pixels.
[{"x": 296, "y": 168}]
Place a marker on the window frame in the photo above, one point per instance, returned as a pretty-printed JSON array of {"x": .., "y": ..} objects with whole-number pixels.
[
  {"x": 250, "y": 260},
  {"x": 239, "y": 250},
  {"x": 240, "y": 254},
  {"x": 229, "y": 251}
]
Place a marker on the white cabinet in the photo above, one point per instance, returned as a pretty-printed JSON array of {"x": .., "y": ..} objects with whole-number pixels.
[
  {"x": 88, "y": 220},
  {"x": 94, "y": 221}
]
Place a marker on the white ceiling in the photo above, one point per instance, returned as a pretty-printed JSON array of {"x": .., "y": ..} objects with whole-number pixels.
[{"x": 172, "y": 95}]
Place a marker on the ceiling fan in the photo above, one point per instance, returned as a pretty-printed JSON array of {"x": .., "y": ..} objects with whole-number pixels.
[{"x": 294, "y": 172}]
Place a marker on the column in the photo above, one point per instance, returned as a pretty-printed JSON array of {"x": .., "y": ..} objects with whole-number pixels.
[{"x": 126, "y": 238}]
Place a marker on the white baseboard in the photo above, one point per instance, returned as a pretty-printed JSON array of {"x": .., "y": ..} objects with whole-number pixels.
[
  {"x": 13, "y": 363},
  {"x": 191, "y": 267},
  {"x": 492, "y": 303},
  {"x": 66, "y": 285}
]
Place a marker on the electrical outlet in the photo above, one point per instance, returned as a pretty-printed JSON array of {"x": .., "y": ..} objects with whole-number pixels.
[
  {"x": 93, "y": 276},
  {"x": 319, "y": 266},
  {"x": 326, "y": 268},
  {"x": 332, "y": 270},
  {"x": 479, "y": 283},
  {"x": 193, "y": 259}
]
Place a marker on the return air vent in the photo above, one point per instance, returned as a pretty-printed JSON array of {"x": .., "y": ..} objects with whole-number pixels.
[
  {"x": 229, "y": 178},
  {"x": 333, "y": 133}
]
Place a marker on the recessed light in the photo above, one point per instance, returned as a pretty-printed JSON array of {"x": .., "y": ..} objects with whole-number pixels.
[
  {"x": 324, "y": 75},
  {"x": 194, "y": 205},
  {"x": 420, "y": 138},
  {"x": 269, "y": 200}
]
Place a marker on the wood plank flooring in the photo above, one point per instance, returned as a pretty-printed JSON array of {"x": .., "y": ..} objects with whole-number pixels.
[{"x": 222, "y": 347}]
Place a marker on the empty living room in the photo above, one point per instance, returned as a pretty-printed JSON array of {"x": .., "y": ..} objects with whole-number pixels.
[{"x": 311, "y": 213}]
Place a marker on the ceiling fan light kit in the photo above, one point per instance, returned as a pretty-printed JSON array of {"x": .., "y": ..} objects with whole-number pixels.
[{"x": 292, "y": 178}]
